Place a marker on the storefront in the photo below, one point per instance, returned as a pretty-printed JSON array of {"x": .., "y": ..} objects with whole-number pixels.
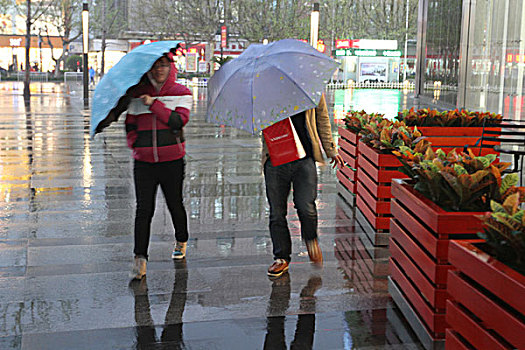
[
  {"x": 41, "y": 53},
  {"x": 115, "y": 50},
  {"x": 368, "y": 61}
]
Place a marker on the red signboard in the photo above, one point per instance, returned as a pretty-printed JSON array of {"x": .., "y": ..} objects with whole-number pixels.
[
  {"x": 342, "y": 44},
  {"x": 134, "y": 44},
  {"x": 224, "y": 37}
]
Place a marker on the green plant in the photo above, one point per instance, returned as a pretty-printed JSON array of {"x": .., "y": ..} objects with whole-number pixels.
[
  {"x": 431, "y": 117},
  {"x": 388, "y": 136},
  {"x": 357, "y": 120},
  {"x": 73, "y": 62},
  {"x": 221, "y": 61},
  {"x": 504, "y": 232},
  {"x": 458, "y": 181}
]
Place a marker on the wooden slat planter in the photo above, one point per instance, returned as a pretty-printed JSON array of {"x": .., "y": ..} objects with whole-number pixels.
[
  {"x": 420, "y": 234},
  {"x": 375, "y": 173},
  {"x": 448, "y": 138},
  {"x": 348, "y": 149},
  {"x": 487, "y": 300}
]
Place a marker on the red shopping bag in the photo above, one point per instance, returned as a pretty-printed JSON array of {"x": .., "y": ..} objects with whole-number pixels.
[{"x": 283, "y": 143}]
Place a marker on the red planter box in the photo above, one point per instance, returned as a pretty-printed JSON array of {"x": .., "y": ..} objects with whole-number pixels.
[
  {"x": 348, "y": 149},
  {"x": 420, "y": 234},
  {"x": 448, "y": 138},
  {"x": 375, "y": 173},
  {"x": 487, "y": 300}
]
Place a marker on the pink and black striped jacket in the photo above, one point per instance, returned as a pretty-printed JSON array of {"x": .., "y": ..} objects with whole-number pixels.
[{"x": 155, "y": 133}]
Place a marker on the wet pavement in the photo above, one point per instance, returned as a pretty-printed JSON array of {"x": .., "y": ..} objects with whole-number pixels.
[{"x": 66, "y": 223}]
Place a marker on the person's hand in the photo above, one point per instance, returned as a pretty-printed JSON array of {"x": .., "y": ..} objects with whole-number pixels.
[
  {"x": 337, "y": 161},
  {"x": 147, "y": 99}
]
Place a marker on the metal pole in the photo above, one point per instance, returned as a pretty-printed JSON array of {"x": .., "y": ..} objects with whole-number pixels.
[
  {"x": 40, "y": 50},
  {"x": 85, "y": 44},
  {"x": 314, "y": 25},
  {"x": 406, "y": 44},
  {"x": 503, "y": 60}
]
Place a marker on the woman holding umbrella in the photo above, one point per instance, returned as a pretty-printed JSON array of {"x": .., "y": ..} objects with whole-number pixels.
[{"x": 157, "y": 111}]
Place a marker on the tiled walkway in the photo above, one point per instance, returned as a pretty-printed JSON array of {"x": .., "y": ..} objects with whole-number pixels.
[{"x": 66, "y": 223}]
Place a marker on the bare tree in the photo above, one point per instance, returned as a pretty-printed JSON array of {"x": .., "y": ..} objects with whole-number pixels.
[
  {"x": 64, "y": 15},
  {"x": 31, "y": 14},
  {"x": 195, "y": 20},
  {"x": 273, "y": 20},
  {"x": 5, "y": 5},
  {"x": 108, "y": 20},
  {"x": 370, "y": 19},
  {"x": 255, "y": 20}
]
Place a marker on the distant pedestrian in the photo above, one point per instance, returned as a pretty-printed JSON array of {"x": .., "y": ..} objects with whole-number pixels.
[
  {"x": 313, "y": 129},
  {"x": 91, "y": 76},
  {"x": 158, "y": 108}
]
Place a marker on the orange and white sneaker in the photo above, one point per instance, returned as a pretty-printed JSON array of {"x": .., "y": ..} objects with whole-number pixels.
[{"x": 278, "y": 267}]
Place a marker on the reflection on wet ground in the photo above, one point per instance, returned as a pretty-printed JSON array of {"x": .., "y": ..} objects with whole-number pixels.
[{"x": 66, "y": 220}]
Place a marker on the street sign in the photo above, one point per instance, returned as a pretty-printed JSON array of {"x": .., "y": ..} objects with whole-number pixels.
[{"x": 224, "y": 36}]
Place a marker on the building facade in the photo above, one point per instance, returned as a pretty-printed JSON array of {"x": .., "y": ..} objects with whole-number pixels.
[{"x": 471, "y": 54}]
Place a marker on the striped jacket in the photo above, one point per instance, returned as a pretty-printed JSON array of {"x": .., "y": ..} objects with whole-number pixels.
[{"x": 155, "y": 133}]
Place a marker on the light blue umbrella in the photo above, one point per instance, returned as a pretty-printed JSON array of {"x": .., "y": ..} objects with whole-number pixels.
[
  {"x": 268, "y": 83},
  {"x": 125, "y": 74}
]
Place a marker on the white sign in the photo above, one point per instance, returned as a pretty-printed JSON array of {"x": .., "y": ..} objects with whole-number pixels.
[
  {"x": 202, "y": 66},
  {"x": 369, "y": 44},
  {"x": 191, "y": 62},
  {"x": 373, "y": 72},
  {"x": 15, "y": 41}
]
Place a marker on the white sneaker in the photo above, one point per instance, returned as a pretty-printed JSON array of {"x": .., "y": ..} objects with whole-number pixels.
[
  {"x": 139, "y": 268},
  {"x": 179, "y": 250}
]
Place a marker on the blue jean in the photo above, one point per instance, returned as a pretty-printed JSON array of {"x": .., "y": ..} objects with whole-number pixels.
[{"x": 302, "y": 175}]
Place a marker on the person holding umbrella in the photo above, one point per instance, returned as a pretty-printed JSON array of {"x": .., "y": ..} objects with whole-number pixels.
[
  {"x": 143, "y": 82},
  {"x": 265, "y": 85},
  {"x": 314, "y": 131},
  {"x": 154, "y": 127},
  {"x": 158, "y": 109}
]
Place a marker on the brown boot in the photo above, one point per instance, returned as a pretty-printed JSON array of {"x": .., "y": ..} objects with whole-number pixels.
[
  {"x": 139, "y": 268},
  {"x": 314, "y": 252}
]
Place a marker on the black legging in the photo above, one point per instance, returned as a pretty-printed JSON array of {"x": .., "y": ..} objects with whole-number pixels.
[{"x": 170, "y": 176}]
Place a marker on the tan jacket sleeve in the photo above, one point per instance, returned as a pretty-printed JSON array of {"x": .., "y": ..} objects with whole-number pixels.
[{"x": 324, "y": 129}]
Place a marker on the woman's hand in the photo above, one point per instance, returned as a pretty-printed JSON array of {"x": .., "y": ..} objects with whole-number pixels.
[{"x": 147, "y": 99}]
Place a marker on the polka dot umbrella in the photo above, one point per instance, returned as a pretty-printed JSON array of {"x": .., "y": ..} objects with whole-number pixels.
[
  {"x": 268, "y": 83},
  {"x": 125, "y": 74}
]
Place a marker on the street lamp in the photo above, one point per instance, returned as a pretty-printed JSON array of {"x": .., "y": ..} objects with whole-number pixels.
[
  {"x": 85, "y": 49},
  {"x": 314, "y": 25},
  {"x": 406, "y": 44}
]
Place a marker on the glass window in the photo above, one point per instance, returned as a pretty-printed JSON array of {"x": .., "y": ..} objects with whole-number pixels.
[
  {"x": 495, "y": 73},
  {"x": 440, "y": 76}
]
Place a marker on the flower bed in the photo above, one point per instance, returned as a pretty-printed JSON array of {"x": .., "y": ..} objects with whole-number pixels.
[
  {"x": 420, "y": 235},
  {"x": 449, "y": 137},
  {"x": 451, "y": 129},
  {"x": 487, "y": 305}
]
